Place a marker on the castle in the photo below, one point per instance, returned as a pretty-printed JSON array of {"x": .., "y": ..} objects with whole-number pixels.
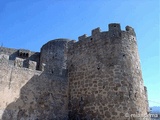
[{"x": 95, "y": 78}]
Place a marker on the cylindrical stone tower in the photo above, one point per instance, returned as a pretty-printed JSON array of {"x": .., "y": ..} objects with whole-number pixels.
[
  {"x": 53, "y": 56},
  {"x": 53, "y": 62},
  {"x": 105, "y": 79}
]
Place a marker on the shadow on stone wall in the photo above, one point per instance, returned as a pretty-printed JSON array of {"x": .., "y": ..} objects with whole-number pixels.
[
  {"x": 43, "y": 97},
  {"x": 13, "y": 55}
]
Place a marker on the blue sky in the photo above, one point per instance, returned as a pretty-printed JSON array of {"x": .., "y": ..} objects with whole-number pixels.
[{"x": 31, "y": 23}]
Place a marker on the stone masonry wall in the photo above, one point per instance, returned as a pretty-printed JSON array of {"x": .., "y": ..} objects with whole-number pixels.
[
  {"x": 96, "y": 78},
  {"x": 34, "y": 95},
  {"x": 18, "y": 53},
  {"x": 105, "y": 80}
]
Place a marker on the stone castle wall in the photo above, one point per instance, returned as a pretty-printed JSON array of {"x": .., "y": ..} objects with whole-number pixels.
[
  {"x": 97, "y": 77},
  {"x": 21, "y": 56},
  {"x": 30, "y": 94},
  {"x": 105, "y": 80}
]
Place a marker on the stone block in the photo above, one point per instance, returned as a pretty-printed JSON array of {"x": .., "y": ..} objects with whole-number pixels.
[
  {"x": 114, "y": 26},
  {"x": 130, "y": 30},
  {"x": 96, "y": 31},
  {"x": 80, "y": 38},
  {"x": 18, "y": 62},
  {"x": 32, "y": 65}
]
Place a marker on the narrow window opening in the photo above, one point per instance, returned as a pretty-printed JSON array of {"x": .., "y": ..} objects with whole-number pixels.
[
  {"x": 124, "y": 55},
  {"x": 81, "y": 98},
  {"x": 98, "y": 68}
]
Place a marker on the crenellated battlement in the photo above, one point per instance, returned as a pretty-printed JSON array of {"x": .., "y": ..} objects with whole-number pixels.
[
  {"x": 18, "y": 62},
  {"x": 130, "y": 30},
  {"x": 96, "y": 31},
  {"x": 82, "y": 37},
  {"x": 19, "y": 58},
  {"x": 114, "y": 30},
  {"x": 96, "y": 77},
  {"x": 114, "y": 27},
  {"x": 26, "y": 58}
]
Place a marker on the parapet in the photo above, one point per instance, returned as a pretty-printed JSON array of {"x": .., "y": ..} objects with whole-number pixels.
[
  {"x": 22, "y": 63},
  {"x": 96, "y": 31},
  {"x": 114, "y": 31},
  {"x": 114, "y": 26},
  {"x": 23, "y": 53},
  {"x": 130, "y": 30},
  {"x": 19, "y": 58},
  {"x": 82, "y": 37}
]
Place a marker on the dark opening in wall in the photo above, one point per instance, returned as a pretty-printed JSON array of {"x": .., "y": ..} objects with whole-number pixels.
[
  {"x": 98, "y": 68},
  {"x": 124, "y": 55},
  {"x": 91, "y": 38},
  {"x": 23, "y": 53},
  {"x": 20, "y": 54},
  {"x": 114, "y": 26},
  {"x": 81, "y": 98},
  {"x": 27, "y": 54},
  {"x": 135, "y": 95}
]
